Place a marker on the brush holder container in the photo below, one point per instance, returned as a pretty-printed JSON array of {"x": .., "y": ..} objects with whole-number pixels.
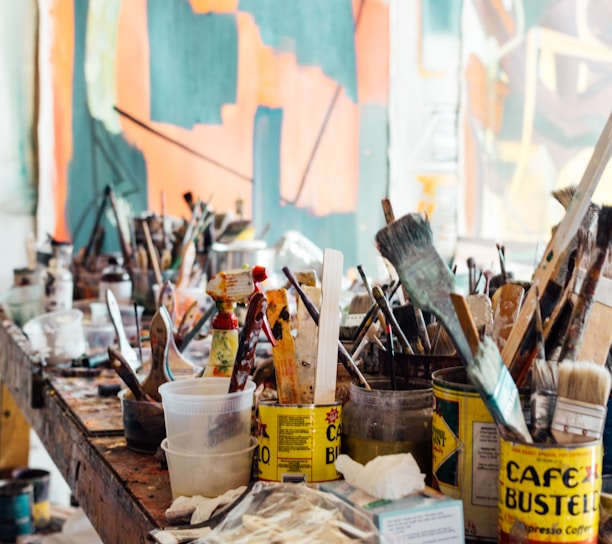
[{"x": 382, "y": 421}]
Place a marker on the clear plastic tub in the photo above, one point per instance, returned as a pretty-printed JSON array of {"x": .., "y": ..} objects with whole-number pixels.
[
  {"x": 58, "y": 336},
  {"x": 202, "y": 417},
  {"x": 209, "y": 475}
]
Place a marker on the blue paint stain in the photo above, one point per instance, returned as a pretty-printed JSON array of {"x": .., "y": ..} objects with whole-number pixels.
[
  {"x": 99, "y": 158},
  {"x": 193, "y": 63},
  {"x": 319, "y": 33}
]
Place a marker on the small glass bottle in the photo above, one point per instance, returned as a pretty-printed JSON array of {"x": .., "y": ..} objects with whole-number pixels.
[
  {"x": 116, "y": 278},
  {"x": 382, "y": 421}
]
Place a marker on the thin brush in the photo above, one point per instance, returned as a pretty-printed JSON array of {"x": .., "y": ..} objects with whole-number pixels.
[
  {"x": 391, "y": 352},
  {"x": 391, "y": 320},
  {"x": 138, "y": 338},
  {"x": 582, "y": 308},
  {"x": 543, "y": 384}
]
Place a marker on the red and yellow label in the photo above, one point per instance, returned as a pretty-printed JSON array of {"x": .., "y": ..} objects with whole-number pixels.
[
  {"x": 299, "y": 443},
  {"x": 549, "y": 493}
]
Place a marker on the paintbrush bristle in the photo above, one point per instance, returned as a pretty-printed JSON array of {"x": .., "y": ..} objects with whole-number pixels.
[
  {"x": 412, "y": 231},
  {"x": 564, "y": 195},
  {"x": 604, "y": 228},
  {"x": 585, "y": 381},
  {"x": 360, "y": 303}
]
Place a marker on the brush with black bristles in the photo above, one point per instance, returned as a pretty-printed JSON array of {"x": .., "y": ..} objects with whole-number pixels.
[
  {"x": 583, "y": 386},
  {"x": 543, "y": 383},
  {"x": 408, "y": 244}
]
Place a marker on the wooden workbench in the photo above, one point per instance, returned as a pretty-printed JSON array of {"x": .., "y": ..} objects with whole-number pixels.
[{"x": 122, "y": 492}]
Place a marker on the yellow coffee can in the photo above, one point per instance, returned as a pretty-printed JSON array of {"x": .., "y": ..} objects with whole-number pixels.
[{"x": 298, "y": 442}]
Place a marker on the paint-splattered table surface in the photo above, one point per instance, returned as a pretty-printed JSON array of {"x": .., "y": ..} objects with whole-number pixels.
[{"x": 124, "y": 493}]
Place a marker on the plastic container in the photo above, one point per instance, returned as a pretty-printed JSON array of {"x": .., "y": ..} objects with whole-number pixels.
[
  {"x": 209, "y": 475},
  {"x": 381, "y": 421},
  {"x": 58, "y": 336},
  {"x": 202, "y": 417},
  {"x": 143, "y": 423},
  {"x": 20, "y": 304}
]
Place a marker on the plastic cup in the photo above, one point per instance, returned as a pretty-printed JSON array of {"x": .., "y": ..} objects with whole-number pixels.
[
  {"x": 202, "y": 417},
  {"x": 58, "y": 336},
  {"x": 209, "y": 475}
]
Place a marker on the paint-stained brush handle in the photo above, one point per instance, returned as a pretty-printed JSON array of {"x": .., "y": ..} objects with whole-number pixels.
[
  {"x": 343, "y": 355},
  {"x": 465, "y": 319},
  {"x": 383, "y": 303},
  {"x": 210, "y": 311},
  {"x": 247, "y": 344},
  {"x": 125, "y": 372}
]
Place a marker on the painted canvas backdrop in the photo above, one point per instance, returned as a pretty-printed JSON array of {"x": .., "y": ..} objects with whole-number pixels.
[
  {"x": 280, "y": 103},
  {"x": 537, "y": 90}
]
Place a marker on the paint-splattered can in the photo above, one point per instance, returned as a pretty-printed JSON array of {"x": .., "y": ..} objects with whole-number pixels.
[
  {"x": 298, "y": 443},
  {"x": 465, "y": 452},
  {"x": 16, "y": 499},
  {"x": 549, "y": 492}
]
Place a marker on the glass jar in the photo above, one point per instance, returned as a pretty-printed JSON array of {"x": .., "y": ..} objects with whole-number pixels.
[
  {"x": 382, "y": 421},
  {"x": 116, "y": 278}
]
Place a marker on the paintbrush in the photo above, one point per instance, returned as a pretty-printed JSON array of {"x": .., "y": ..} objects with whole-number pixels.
[
  {"x": 543, "y": 384},
  {"x": 552, "y": 258},
  {"x": 582, "y": 395},
  {"x": 391, "y": 352},
  {"x": 584, "y": 303},
  {"x": 210, "y": 311},
  {"x": 407, "y": 244},
  {"x": 490, "y": 376},
  {"x": 125, "y": 372},
  {"x": 343, "y": 355},
  {"x": 584, "y": 386},
  {"x": 247, "y": 343},
  {"x": 153, "y": 257},
  {"x": 391, "y": 320}
]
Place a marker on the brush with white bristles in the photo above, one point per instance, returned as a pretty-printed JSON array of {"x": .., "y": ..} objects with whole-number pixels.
[{"x": 583, "y": 387}]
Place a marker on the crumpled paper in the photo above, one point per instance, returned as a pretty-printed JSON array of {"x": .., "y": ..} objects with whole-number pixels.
[
  {"x": 386, "y": 476},
  {"x": 201, "y": 508}
]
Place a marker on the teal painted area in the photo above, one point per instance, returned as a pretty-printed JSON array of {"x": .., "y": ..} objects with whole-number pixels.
[
  {"x": 374, "y": 181},
  {"x": 318, "y": 32},
  {"x": 337, "y": 231},
  {"x": 98, "y": 158},
  {"x": 441, "y": 17},
  {"x": 193, "y": 63}
]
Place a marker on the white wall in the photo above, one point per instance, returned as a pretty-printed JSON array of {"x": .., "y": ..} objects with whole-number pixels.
[{"x": 18, "y": 176}]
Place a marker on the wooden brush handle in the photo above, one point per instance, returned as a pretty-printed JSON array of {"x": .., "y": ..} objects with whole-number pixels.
[
  {"x": 465, "y": 319},
  {"x": 557, "y": 247},
  {"x": 247, "y": 344},
  {"x": 343, "y": 355},
  {"x": 386, "y": 308},
  {"x": 126, "y": 249},
  {"x": 152, "y": 253},
  {"x": 125, "y": 372}
]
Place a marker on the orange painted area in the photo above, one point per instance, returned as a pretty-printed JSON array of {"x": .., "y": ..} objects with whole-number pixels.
[
  {"x": 372, "y": 46},
  {"x": 218, "y": 6},
  {"x": 308, "y": 93},
  {"x": 169, "y": 167},
  {"x": 61, "y": 57}
]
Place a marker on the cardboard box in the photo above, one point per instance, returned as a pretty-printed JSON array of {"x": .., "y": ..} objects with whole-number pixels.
[{"x": 425, "y": 518}]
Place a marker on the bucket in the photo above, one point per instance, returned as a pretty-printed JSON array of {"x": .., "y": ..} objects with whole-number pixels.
[
  {"x": 39, "y": 479},
  {"x": 298, "y": 442},
  {"x": 549, "y": 492},
  {"x": 15, "y": 509},
  {"x": 465, "y": 452}
]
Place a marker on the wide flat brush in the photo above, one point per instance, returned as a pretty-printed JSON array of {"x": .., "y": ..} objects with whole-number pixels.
[
  {"x": 582, "y": 396},
  {"x": 489, "y": 375},
  {"x": 407, "y": 243}
]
